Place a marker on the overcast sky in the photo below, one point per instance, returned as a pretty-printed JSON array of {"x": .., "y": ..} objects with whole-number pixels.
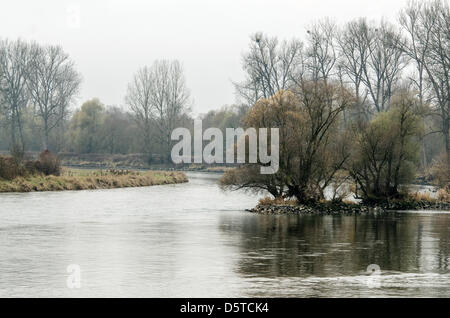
[{"x": 110, "y": 40}]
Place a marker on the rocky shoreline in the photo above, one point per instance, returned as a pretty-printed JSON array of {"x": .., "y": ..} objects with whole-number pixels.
[{"x": 349, "y": 209}]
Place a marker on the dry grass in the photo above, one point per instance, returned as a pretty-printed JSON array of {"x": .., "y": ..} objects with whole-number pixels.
[
  {"x": 416, "y": 196},
  {"x": 443, "y": 195},
  {"x": 81, "y": 179},
  {"x": 276, "y": 201},
  {"x": 348, "y": 202}
]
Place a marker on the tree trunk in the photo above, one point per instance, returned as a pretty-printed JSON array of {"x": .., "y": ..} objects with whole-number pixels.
[{"x": 45, "y": 145}]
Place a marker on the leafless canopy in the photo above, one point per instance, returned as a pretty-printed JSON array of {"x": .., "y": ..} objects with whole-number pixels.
[
  {"x": 14, "y": 96},
  {"x": 158, "y": 96},
  {"x": 53, "y": 83},
  {"x": 428, "y": 28},
  {"x": 269, "y": 67}
]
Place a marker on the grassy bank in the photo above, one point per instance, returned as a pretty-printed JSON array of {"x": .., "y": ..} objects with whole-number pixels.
[{"x": 83, "y": 179}]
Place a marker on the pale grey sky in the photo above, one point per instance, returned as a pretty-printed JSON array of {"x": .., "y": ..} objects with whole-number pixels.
[{"x": 110, "y": 40}]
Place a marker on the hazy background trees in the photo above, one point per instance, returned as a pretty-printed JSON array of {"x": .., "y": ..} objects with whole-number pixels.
[
  {"x": 37, "y": 85},
  {"x": 369, "y": 64},
  {"x": 53, "y": 82},
  {"x": 427, "y": 25},
  {"x": 139, "y": 99},
  {"x": 160, "y": 100},
  {"x": 85, "y": 127},
  {"x": 15, "y": 60}
]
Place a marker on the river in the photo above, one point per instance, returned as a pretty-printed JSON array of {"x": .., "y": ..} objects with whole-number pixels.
[{"x": 193, "y": 240}]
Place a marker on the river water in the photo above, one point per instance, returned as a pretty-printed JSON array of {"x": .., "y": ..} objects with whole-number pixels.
[{"x": 193, "y": 240}]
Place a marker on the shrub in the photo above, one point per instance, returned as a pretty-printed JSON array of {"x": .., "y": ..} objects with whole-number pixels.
[
  {"x": 17, "y": 153},
  {"x": 443, "y": 195},
  {"x": 32, "y": 167},
  {"x": 48, "y": 164},
  {"x": 417, "y": 196},
  {"x": 440, "y": 172},
  {"x": 9, "y": 168},
  {"x": 386, "y": 150}
]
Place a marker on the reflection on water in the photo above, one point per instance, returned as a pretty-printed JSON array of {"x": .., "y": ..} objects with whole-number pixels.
[{"x": 193, "y": 240}]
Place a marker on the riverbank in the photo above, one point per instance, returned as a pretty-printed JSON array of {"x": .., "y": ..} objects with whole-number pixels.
[
  {"x": 159, "y": 167},
  {"x": 133, "y": 161},
  {"x": 350, "y": 208},
  {"x": 125, "y": 161},
  {"x": 82, "y": 179}
]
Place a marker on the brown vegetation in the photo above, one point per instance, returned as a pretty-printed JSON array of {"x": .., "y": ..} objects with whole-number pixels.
[
  {"x": 88, "y": 180},
  {"x": 13, "y": 167},
  {"x": 276, "y": 201},
  {"x": 46, "y": 174}
]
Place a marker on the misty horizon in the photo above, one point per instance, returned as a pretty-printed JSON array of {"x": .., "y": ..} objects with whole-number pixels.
[{"x": 110, "y": 41}]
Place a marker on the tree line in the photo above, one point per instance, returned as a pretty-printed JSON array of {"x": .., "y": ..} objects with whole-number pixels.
[
  {"x": 342, "y": 82},
  {"x": 37, "y": 86}
]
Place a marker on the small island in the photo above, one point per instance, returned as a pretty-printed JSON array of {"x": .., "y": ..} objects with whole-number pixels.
[
  {"x": 410, "y": 202},
  {"x": 328, "y": 163}
]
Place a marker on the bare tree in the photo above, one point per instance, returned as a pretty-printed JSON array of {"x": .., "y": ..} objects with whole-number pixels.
[
  {"x": 170, "y": 98},
  {"x": 428, "y": 28},
  {"x": 354, "y": 51},
  {"x": 384, "y": 66},
  {"x": 372, "y": 59},
  {"x": 270, "y": 66},
  {"x": 139, "y": 99},
  {"x": 14, "y": 68},
  {"x": 321, "y": 52},
  {"x": 53, "y": 84},
  {"x": 312, "y": 146},
  {"x": 159, "y": 97}
]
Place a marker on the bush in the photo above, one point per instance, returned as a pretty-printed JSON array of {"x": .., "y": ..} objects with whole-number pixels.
[
  {"x": 48, "y": 164},
  {"x": 386, "y": 151},
  {"x": 440, "y": 172},
  {"x": 443, "y": 195},
  {"x": 9, "y": 168},
  {"x": 417, "y": 196},
  {"x": 17, "y": 153}
]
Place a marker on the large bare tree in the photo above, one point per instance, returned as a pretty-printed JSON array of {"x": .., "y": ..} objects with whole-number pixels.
[
  {"x": 159, "y": 97},
  {"x": 139, "y": 99},
  {"x": 53, "y": 84},
  {"x": 321, "y": 51},
  {"x": 14, "y": 69},
  {"x": 270, "y": 66},
  {"x": 170, "y": 98},
  {"x": 372, "y": 60},
  {"x": 428, "y": 28},
  {"x": 354, "y": 52}
]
